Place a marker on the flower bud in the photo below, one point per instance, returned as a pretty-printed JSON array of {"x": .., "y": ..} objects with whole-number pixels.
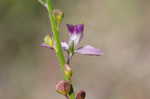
[
  {"x": 68, "y": 71},
  {"x": 48, "y": 40},
  {"x": 63, "y": 87},
  {"x": 81, "y": 95},
  {"x": 58, "y": 15}
]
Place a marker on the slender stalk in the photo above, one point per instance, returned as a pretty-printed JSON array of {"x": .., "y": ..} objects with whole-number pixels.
[
  {"x": 55, "y": 31},
  {"x": 59, "y": 51}
]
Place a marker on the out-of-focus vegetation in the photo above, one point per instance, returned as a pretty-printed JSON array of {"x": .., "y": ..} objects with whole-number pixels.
[
  {"x": 119, "y": 27},
  {"x": 19, "y": 22}
]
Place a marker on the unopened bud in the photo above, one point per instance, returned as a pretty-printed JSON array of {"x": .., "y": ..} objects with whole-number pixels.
[
  {"x": 48, "y": 40},
  {"x": 58, "y": 15},
  {"x": 63, "y": 87},
  {"x": 81, "y": 95},
  {"x": 68, "y": 71}
]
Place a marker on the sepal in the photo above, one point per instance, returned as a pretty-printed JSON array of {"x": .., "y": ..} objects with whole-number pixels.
[{"x": 63, "y": 87}]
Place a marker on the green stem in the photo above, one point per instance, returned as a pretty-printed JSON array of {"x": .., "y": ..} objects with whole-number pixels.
[
  {"x": 59, "y": 51},
  {"x": 55, "y": 31}
]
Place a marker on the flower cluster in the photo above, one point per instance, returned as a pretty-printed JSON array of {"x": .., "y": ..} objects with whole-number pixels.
[{"x": 71, "y": 47}]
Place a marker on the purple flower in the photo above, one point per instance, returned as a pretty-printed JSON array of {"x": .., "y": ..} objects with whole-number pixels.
[
  {"x": 64, "y": 45},
  {"x": 76, "y": 35},
  {"x": 75, "y": 29},
  {"x": 75, "y": 32}
]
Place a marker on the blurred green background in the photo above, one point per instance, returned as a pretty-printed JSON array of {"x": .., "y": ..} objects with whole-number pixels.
[{"x": 119, "y": 27}]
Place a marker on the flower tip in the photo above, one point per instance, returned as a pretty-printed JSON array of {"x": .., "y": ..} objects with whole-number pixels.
[
  {"x": 58, "y": 15},
  {"x": 80, "y": 27},
  {"x": 44, "y": 45},
  {"x": 89, "y": 50},
  {"x": 99, "y": 52},
  {"x": 48, "y": 42},
  {"x": 70, "y": 28},
  {"x": 75, "y": 29}
]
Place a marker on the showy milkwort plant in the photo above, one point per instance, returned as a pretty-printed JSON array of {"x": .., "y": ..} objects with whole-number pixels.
[{"x": 71, "y": 47}]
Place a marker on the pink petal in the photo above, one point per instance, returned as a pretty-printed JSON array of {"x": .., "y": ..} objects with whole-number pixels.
[
  {"x": 64, "y": 45},
  {"x": 89, "y": 50}
]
